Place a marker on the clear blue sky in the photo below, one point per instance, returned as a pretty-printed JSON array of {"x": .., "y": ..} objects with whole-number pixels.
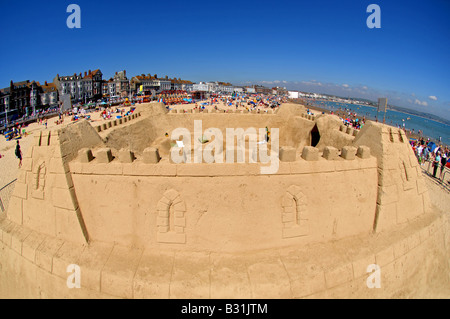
[{"x": 317, "y": 46}]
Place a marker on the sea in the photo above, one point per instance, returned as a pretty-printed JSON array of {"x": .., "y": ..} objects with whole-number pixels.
[{"x": 434, "y": 130}]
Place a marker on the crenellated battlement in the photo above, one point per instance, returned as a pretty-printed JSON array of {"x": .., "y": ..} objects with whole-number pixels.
[
  {"x": 308, "y": 116},
  {"x": 106, "y": 161},
  {"x": 222, "y": 111},
  {"x": 348, "y": 130},
  {"x": 117, "y": 122}
]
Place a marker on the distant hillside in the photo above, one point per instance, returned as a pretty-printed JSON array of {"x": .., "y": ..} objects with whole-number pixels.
[
  {"x": 400, "y": 109},
  {"x": 420, "y": 114}
]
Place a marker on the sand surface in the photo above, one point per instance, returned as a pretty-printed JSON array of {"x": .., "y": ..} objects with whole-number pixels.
[{"x": 439, "y": 196}]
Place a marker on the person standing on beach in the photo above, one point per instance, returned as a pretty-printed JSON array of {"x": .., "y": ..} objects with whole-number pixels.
[
  {"x": 419, "y": 151},
  {"x": 443, "y": 163},
  {"x": 18, "y": 153},
  {"x": 436, "y": 163}
]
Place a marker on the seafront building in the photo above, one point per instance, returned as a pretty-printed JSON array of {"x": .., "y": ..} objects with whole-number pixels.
[
  {"x": 21, "y": 98},
  {"x": 81, "y": 88},
  {"x": 49, "y": 94},
  {"x": 4, "y": 102},
  {"x": 25, "y": 98},
  {"x": 148, "y": 84},
  {"x": 202, "y": 87},
  {"x": 187, "y": 86},
  {"x": 117, "y": 86},
  {"x": 122, "y": 83}
]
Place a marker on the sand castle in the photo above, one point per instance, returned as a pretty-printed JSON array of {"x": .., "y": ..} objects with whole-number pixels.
[{"x": 110, "y": 200}]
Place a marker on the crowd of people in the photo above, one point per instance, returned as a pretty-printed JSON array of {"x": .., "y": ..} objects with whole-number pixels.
[
  {"x": 347, "y": 116},
  {"x": 16, "y": 132},
  {"x": 109, "y": 113},
  {"x": 351, "y": 119},
  {"x": 259, "y": 102},
  {"x": 427, "y": 151},
  {"x": 250, "y": 102},
  {"x": 77, "y": 113}
]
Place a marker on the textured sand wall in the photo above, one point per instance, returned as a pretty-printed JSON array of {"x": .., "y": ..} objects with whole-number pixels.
[
  {"x": 35, "y": 266},
  {"x": 226, "y": 206}
]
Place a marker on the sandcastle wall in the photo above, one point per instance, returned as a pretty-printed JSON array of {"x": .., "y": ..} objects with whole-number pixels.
[
  {"x": 310, "y": 198},
  {"x": 226, "y": 206},
  {"x": 34, "y": 265},
  {"x": 76, "y": 201}
]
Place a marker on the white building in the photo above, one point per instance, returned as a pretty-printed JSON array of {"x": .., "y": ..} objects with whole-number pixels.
[
  {"x": 200, "y": 87},
  {"x": 81, "y": 88},
  {"x": 165, "y": 84},
  {"x": 156, "y": 84},
  {"x": 236, "y": 89},
  {"x": 293, "y": 95},
  {"x": 176, "y": 85},
  {"x": 228, "y": 89},
  {"x": 112, "y": 88},
  {"x": 49, "y": 95},
  {"x": 188, "y": 87},
  {"x": 212, "y": 86},
  {"x": 151, "y": 84}
]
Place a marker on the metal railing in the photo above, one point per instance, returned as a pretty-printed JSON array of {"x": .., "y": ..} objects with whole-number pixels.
[
  {"x": 27, "y": 120},
  {"x": 5, "y": 194},
  {"x": 443, "y": 179}
]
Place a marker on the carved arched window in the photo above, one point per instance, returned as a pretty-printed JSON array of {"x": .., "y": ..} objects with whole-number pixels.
[
  {"x": 171, "y": 220},
  {"x": 294, "y": 213}
]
